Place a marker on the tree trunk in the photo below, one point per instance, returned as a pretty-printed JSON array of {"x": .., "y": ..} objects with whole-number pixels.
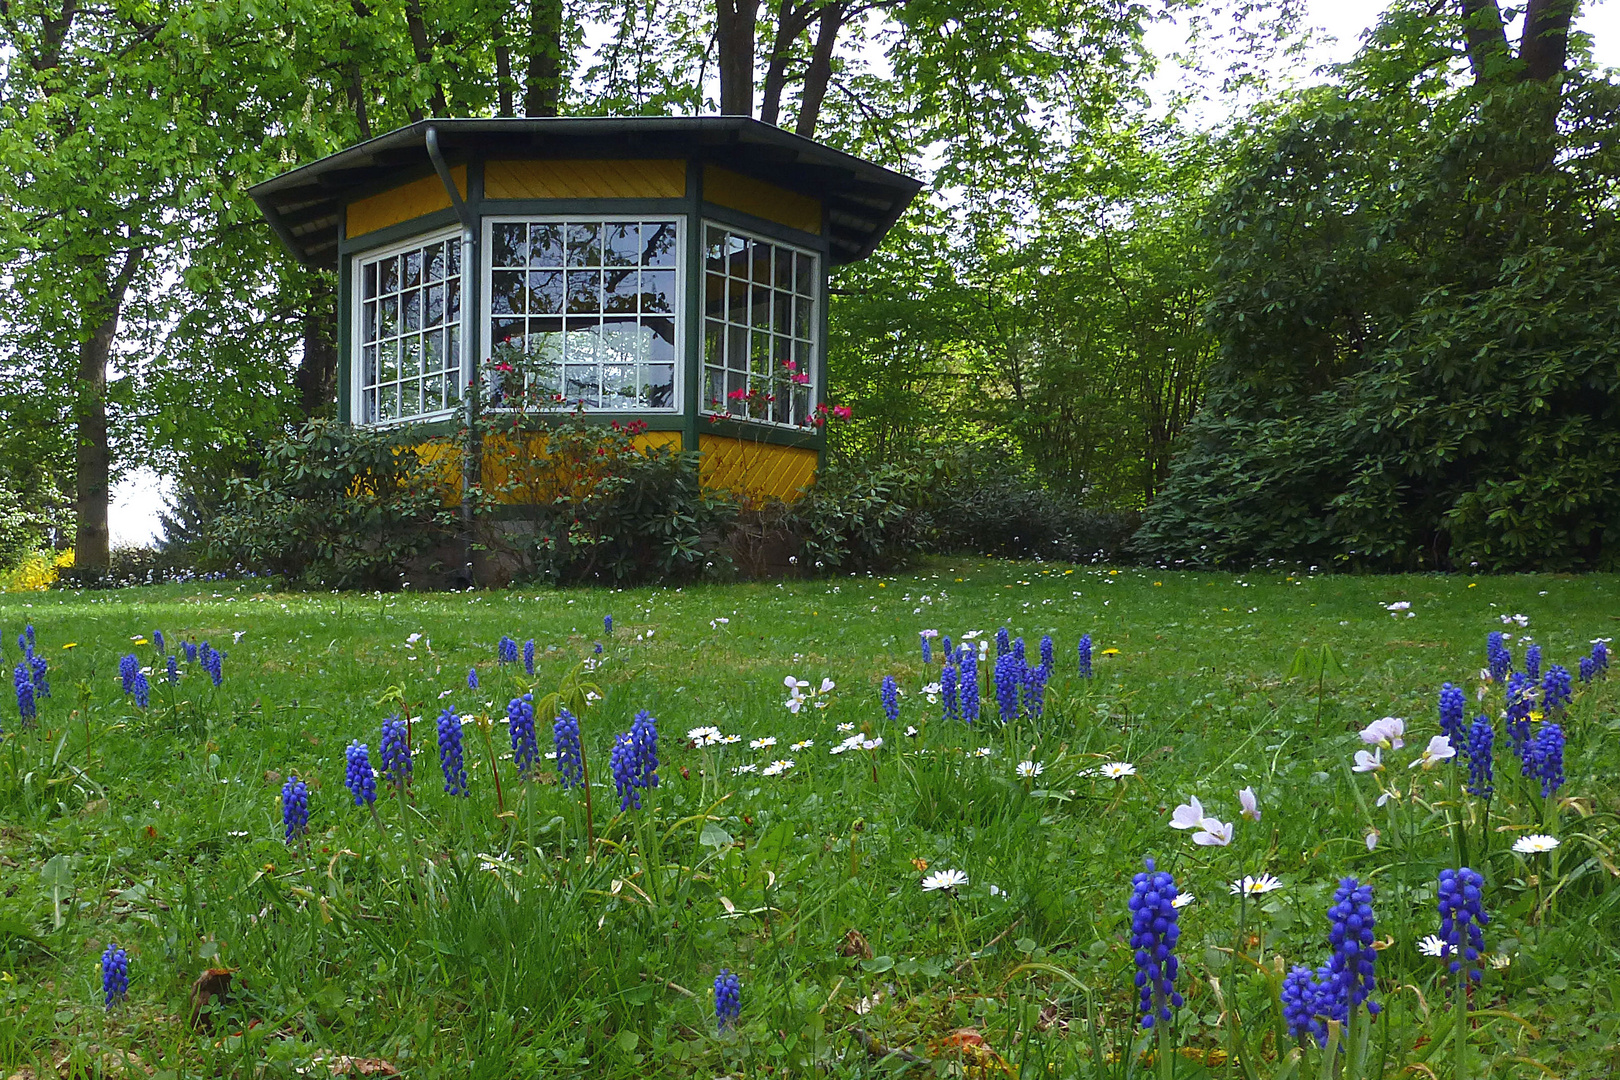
[
  {"x": 91, "y": 556},
  {"x": 734, "y": 31},
  {"x": 417, "y": 26},
  {"x": 503, "y": 68},
  {"x": 316, "y": 377},
  {"x": 819, "y": 74},
  {"x": 791, "y": 22},
  {"x": 543, "y": 93}
]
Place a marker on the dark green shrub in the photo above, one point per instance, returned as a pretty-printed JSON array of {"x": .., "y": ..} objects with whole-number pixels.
[{"x": 856, "y": 518}]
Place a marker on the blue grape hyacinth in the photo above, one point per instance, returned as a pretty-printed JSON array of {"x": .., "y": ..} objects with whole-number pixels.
[
  {"x": 114, "y": 975},
  {"x": 128, "y": 668},
  {"x": 970, "y": 685},
  {"x": 1035, "y": 679},
  {"x": 394, "y": 752},
  {"x": 1003, "y": 642},
  {"x": 142, "y": 690},
  {"x": 451, "y": 761},
  {"x": 1600, "y": 657},
  {"x": 1497, "y": 656},
  {"x": 952, "y": 707},
  {"x": 1154, "y": 933},
  {"x": 357, "y": 776},
  {"x": 1084, "y": 649},
  {"x": 644, "y": 737},
  {"x": 472, "y": 678},
  {"x": 607, "y": 624},
  {"x": 1463, "y": 919},
  {"x": 570, "y": 755},
  {"x": 927, "y": 648},
  {"x": 24, "y": 684},
  {"x": 173, "y": 669},
  {"x": 1018, "y": 650},
  {"x": 1047, "y": 652},
  {"x": 506, "y": 650},
  {"x": 1453, "y": 711},
  {"x": 1557, "y": 689},
  {"x": 190, "y": 649},
  {"x": 1478, "y": 749},
  {"x": 1009, "y": 679},
  {"x": 1588, "y": 669},
  {"x": 890, "y": 692},
  {"x": 1516, "y": 718},
  {"x": 1302, "y": 993},
  {"x": 528, "y": 656},
  {"x": 1354, "y": 962},
  {"x": 213, "y": 662},
  {"x": 727, "y": 998},
  {"x": 1544, "y": 758},
  {"x": 157, "y": 641},
  {"x": 520, "y": 725},
  {"x": 1532, "y": 661},
  {"x": 622, "y": 762},
  {"x": 295, "y": 808},
  {"x": 39, "y": 667}
]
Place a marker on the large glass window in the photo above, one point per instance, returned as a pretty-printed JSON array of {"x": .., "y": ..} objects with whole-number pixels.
[
  {"x": 410, "y": 332},
  {"x": 759, "y": 327},
  {"x": 593, "y": 302}
]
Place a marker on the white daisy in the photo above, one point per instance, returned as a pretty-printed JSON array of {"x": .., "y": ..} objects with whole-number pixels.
[
  {"x": 1254, "y": 886},
  {"x": 704, "y": 736},
  {"x": 1182, "y": 900},
  {"x": 1117, "y": 770},
  {"x": 1432, "y": 946},
  {"x": 730, "y": 740},
  {"x": 804, "y": 744},
  {"x": 740, "y": 769},
  {"x": 1534, "y": 844},
  {"x": 1028, "y": 770},
  {"x": 983, "y": 751},
  {"x": 762, "y": 743},
  {"x": 944, "y": 881},
  {"x": 777, "y": 767},
  {"x": 846, "y": 727}
]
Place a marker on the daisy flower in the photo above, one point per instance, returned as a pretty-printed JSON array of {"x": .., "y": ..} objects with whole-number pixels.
[
  {"x": 1432, "y": 945},
  {"x": 777, "y": 767},
  {"x": 1028, "y": 770},
  {"x": 730, "y": 740},
  {"x": 944, "y": 881},
  {"x": 1253, "y": 886},
  {"x": 1116, "y": 770},
  {"x": 762, "y": 743},
  {"x": 704, "y": 736},
  {"x": 738, "y": 770},
  {"x": 1182, "y": 899},
  {"x": 983, "y": 751},
  {"x": 1534, "y": 844},
  {"x": 802, "y": 745},
  {"x": 846, "y": 727}
]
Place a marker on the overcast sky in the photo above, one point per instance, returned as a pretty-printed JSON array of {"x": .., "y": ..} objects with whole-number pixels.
[{"x": 137, "y": 499}]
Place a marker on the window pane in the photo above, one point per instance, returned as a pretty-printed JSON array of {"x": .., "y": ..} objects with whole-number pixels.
[
  {"x": 620, "y": 342},
  {"x": 622, "y": 244},
  {"x": 452, "y": 357},
  {"x": 760, "y": 313},
  {"x": 658, "y": 387},
  {"x": 368, "y": 366},
  {"x": 782, "y": 312},
  {"x": 511, "y": 246},
  {"x": 714, "y": 250},
  {"x": 454, "y": 247},
  {"x": 620, "y": 290},
  {"x": 658, "y": 243},
  {"x": 801, "y": 317},
  {"x": 736, "y": 383},
  {"x": 737, "y": 302},
  {"x": 505, "y": 331},
  {"x": 412, "y": 302},
  {"x": 452, "y": 388},
  {"x": 389, "y": 269},
  {"x": 714, "y": 296},
  {"x": 433, "y": 351},
  {"x": 506, "y": 292},
  {"x": 584, "y": 291},
  {"x": 660, "y": 340},
  {"x": 452, "y": 292},
  {"x": 545, "y": 245},
  {"x": 584, "y": 244},
  {"x": 433, "y": 262},
  {"x": 761, "y": 257},
  {"x": 546, "y": 348},
  {"x": 714, "y": 388},
  {"x": 368, "y": 317},
  {"x": 410, "y": 357},
  {"x": 410, "y": 398},
  {"x": 368, "y": 407},
  {"x": 737, "y": 348},
  {"x": 390, "y": 361},
  {"x": 368, "y": 278},
  {"x": 413, "y": 269},
  {"x": 433, "y": 310},
  {"x": 545, "y": 292},
  {"x": 784, "y": 270},
  {"x": 580, "y": 343},
  {"x": 433, "y": 394},
  {"x": 806, "y": 276},
  {"x": 761, "y": 355},
  {"x": 580, "y": 385},
  {"x": 619, "y": 386},
  {"x": 714, "y": 343},
  {"x": 389, "y": 320},
  {"x": 388, "y": 402},
  {"x": 801, "y": 356},
  {"x": 658, "y": 291}
]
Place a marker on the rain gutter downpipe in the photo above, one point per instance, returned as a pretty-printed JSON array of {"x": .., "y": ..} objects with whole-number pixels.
[{"x": 472, "y": 459}]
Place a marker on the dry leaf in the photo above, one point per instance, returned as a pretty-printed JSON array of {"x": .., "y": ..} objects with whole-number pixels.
[
  {"x": 213, "y": 985},
  {"x": 856, "y": 945}
]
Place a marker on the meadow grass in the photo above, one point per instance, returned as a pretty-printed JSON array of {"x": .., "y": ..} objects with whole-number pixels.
[{"x": 479, "y": 937}]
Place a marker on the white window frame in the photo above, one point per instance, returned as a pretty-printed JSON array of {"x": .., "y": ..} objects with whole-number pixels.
[
  {"x": 486, "y": 315},
  {"x": 818, "y": 273},
  {"x": 357, "y": 328}
]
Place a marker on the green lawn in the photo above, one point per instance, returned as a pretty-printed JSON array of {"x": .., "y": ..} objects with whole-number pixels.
[{"x": 468, "y": 937}]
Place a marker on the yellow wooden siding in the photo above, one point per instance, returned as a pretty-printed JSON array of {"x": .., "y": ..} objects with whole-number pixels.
[
  {"x": 755, "y": 471},
  {"x": 655, "y": 179},
  {"x": 726, "y": 188},
  {"x": 403, "y": 203}
]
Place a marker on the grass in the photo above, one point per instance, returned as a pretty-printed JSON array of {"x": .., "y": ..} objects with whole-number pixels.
[{"x": 480, "y": 938}]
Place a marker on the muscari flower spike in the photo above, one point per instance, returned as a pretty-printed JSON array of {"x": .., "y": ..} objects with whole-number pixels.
[
  {"x": 1497, "y": 656},
  {"x": 1600, "y": 657},
  {"x": 1544, "y": 758},
  {"x": 1003, "y": 642},
  {"x": 142, "y": 690},
  {"x": 1516, "y": 718},
  {"x": 1478, "y": 747},
  {"x": 506, "y": 650},
  {"x": 357, "y": 776},
  {"x": 970, "y": 685},
  {"x": 727, "y": 998},
  {"x": 295, "y": 808},
  {"x": 528, "y": 656},
  {"x": 1463, "y": 919},
  {"x": 190, "y": 649},
  {"x": 451, "y": 761},
  {"x": 1085, "y": 656},
  {"x": 607, "y": 624},
  {"x": 1557, "y": 689},
  {"x": 1018, "y": 649},
  {"x": 570, "y": 756},
  {"x": 394, "y": 753},
  {"x": 213, "y": 662},
  {"x": 1532, "y": 661},
  {"x": 1453, "y": 709},
  {"x": 24, "y": 683},
  {"x": 927, "y": 649},
  {"x": 1009, "y": 678},
  {"x": 114, "y": 975},
  {"x": 1353, "y": 965},
  {"x": 1588, "y": 669},
  {"x": 157, "y": 641},
  {"x": 1035, "y": 679},
  {"x": 644, "y": 737},
  {"x": 947, "y": 691},
  {"x": 520, "y": 725},
  {"x": 1047, "y": 652},
  {"x": 622, "y": 762},
  {"x": 173, "y": 673},
  {"x": 128, "y": 668},
  {"x": 472, "y": 678},
  {"x": 39, "y": 666},
  {"x": 1154, "y": 933},
  {"x": 890, "y": 693},
  {"x": 1303, "y": 1003}
]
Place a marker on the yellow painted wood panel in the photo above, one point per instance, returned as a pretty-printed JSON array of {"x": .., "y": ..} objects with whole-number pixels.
[
  {"x": 654, "y": 179},
  {"x": 726, "y": 188},
  {"x": 403, "y": 203},
  {"x": 755, "y": 471}
]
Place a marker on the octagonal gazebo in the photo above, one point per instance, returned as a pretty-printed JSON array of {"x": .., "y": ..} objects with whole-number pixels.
[{"x": 665, "y": 269}]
